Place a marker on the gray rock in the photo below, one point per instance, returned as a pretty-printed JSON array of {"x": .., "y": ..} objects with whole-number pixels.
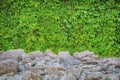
[
  {"x": 12, "y": 54},
  {"x": 60, "y": 76},
  {"x": 83, "y": 54},
  {"x": 52, "y": 69},
  {"x": 51, "y": 54},
  {"x": 70, "y": 76},
  {"x": 104, "y": 67},
  {"x": 35, "y": 54},
  {"x": 2, "y": 52},
  {"x": 15, "y": 77},
  {"x": 64, "y": 57},
  {"x": 8, "y": 66},
  {"x": 113, "y": 61},
  {"x": 40, "y": 63},
  {"x": 24, "y": 56},
  {"x": 82, "y": 76},
  {"x": 74, "y": 71},
  {"x": 89, "y": 66},
  {"x": 25, "y": 63},
  {"x": 113, "y": 77},
  {"x": 94, "y": 76},
  {"x": 74, "y": 62},
  {"x": 46, "y": 77},
  {"x": 15, "y": 65},
  {"x": 117, "y": 65},
  {"x": 89, "y": 60},
  {"x": 53, "y": 77},
  {"x": 3, "y": 77},
  {"x": 29, "y": 75}
]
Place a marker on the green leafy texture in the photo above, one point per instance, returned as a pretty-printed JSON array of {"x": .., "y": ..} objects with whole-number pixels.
[{"x": 69, "y": 25}]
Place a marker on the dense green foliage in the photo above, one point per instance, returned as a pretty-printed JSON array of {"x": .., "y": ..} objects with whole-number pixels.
[{"x": 69, "y": 25}]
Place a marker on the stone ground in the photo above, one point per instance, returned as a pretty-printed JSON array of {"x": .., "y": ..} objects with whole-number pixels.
[{"x": 17, "y": 65}]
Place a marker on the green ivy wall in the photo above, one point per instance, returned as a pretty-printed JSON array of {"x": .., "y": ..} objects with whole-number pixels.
[{"x": 69, "y": 25}]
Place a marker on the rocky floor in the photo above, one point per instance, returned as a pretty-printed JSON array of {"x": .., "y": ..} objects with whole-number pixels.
[{"x": 16, "y": 65}]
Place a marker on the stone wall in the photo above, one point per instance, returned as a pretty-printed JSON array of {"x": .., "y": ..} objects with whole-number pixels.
[{"x": 17, "y": 65}]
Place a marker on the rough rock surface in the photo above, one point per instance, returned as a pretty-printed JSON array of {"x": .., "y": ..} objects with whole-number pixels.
[{"x": 17, "y": 65}]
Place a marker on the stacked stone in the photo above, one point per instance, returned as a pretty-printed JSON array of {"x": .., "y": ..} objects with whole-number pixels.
[{"x": 17, "y": 65}]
